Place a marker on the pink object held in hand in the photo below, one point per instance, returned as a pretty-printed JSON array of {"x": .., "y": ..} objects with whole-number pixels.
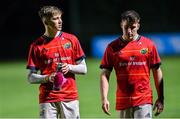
[{"x": 59, "y": 80}]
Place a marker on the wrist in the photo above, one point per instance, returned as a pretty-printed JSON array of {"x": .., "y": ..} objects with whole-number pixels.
[
  {"x": 70, "y": 67},
  {"x": 161, "y": 99},
  {"x": 104, "y": 99},
  {"x": 46, "y": 79}
]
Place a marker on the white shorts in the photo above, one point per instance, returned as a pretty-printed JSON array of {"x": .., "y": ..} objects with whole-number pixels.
[
  {"x": 56, "y": 110},
  {"x": 138, "y": 112}
]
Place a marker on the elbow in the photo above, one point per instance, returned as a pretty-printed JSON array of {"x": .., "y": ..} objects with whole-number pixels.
[
  {"x": 30, "y": 80},
  {"x": 85, "y": 71}
]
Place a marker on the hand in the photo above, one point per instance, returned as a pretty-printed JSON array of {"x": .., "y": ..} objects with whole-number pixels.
[
  {"x": 105, "y": 107},
  {"x": 158, "y": 106},
  {"x": 50, "y": 78},
  {"x": 65, "y": 68}
]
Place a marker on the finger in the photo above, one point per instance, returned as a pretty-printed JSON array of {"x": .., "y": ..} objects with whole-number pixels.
[
  {"x": 65, "y": 72},
  {"x": 157, "y": 113},
  {"x": 64, "y": 64},
  {"x": 154, "y": 108},
  {"x": 108, "y": 113},
  {"x": 54, "y": 74},
  {"x": 65, "y": 69},
  {"x": 159, "y": 110},
  {"x": 106, "y": 109}
]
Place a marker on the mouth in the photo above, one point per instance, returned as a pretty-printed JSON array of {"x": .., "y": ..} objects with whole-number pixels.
[{"x": 60, "y": 26}]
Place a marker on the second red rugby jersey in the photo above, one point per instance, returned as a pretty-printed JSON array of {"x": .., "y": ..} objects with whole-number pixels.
[{"x": 132, "y": 62}]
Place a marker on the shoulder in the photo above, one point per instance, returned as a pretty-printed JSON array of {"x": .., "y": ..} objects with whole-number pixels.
[
  {"x": 69, "y": 36},
  {"x": 114, "y": 43},
  {"x": 38, "y": 41},
  {"x": 147, "y": 40}
]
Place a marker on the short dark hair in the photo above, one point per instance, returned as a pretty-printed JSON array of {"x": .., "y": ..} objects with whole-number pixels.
[
  {"x": 130, "y": 16},
  {"x": 49, "y": 11}
]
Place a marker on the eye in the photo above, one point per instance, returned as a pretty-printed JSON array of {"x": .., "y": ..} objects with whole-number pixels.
[
  {"x": 132, "y": 27},
  {"x": 126, "y": 27}
]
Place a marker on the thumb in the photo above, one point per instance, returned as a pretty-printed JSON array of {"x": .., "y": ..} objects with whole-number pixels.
[{"x": 154, "y": 107}]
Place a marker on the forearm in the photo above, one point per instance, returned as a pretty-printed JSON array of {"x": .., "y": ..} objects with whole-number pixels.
[
  {"x": 78, "y": 68},
  {"x": 158, "y": 77},
  {"x": 161, "y": 90},
  {"x": 104, "y": 88},
  {"x": 104, "y": 84},
  {"x": 34, "y": 78}
]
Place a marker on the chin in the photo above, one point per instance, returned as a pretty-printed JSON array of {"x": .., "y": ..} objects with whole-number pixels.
[
  {"x": 130, "y": 38},
  {"x": 59, "y": 29}
]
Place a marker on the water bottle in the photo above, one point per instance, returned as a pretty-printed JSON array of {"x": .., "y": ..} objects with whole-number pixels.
[{"x": 59, "y": 79}]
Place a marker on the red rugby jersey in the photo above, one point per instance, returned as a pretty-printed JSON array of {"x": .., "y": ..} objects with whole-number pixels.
[
  {"x": 132, "y": 62},
  {"x": 43, "y": 56}
]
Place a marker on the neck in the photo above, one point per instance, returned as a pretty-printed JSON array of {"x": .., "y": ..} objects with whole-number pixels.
[
  {"x": 136, "y": 37},
  {"x": 51, "y": 34},
  {"x": 128, "y": 39}
]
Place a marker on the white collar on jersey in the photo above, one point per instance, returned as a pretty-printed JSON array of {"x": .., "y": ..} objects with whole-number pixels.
[
  {"x": 58, "y": 33},
  {"x": 136, "y": 37}
]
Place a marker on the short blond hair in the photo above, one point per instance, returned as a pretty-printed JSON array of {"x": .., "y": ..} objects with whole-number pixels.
[{"x": 49, "y": 11}]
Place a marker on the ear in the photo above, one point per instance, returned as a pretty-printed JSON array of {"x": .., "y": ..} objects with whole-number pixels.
[
  {"x": 139, "y": 25},
  {"x": 121, "y": 24},
  {"x": 45, "y": 22}
]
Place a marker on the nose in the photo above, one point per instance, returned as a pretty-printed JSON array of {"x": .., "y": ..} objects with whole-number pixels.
[
  {"x": 60, "y": 21},
  {"x": 129, "y": 30}
]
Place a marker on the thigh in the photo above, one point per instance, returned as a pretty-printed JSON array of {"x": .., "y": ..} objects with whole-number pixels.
[
  {"x": 70, "y": 109},
  {"x": 48, "y": 110},
  {"x": 126, "y": 113},
  {"x": 143, "y": 111}
]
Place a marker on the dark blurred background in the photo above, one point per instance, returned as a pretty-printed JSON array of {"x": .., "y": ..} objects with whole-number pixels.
[{"x": 20, "y": 23}]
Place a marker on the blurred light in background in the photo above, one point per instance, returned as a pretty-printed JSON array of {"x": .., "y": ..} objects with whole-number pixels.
[{"x": 167, "y": 44}]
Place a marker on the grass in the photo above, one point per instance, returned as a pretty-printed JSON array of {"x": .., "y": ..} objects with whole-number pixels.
[{"x": 19, "y": 99}]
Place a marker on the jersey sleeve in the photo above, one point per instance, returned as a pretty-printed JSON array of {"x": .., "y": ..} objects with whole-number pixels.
[
  {"x": 78, "y": 51},
  {"x": 155, "y": 60},
  {"x": 32, "y": 62},
  {"x": 106, "y": 61}
]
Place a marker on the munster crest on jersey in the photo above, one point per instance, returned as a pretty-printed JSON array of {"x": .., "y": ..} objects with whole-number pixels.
[
  {"x": 67, "y": 45},
  {"x": 144, "y": 50}
]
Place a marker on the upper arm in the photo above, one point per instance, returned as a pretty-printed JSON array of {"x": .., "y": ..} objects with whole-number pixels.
[
  {"x": 157, "y": 71},
  {"x": 107, "y": 61},
  {"x": 155, "y": 60},
  {"x": 31, "y": 72},
  {"x": 81, "y": 61},
  {"x": 77, "y": 49},
  {"x": 105, "y": 74},
  {"x": 32, "y": 63},
  {"x": 158, "y": 76}
]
